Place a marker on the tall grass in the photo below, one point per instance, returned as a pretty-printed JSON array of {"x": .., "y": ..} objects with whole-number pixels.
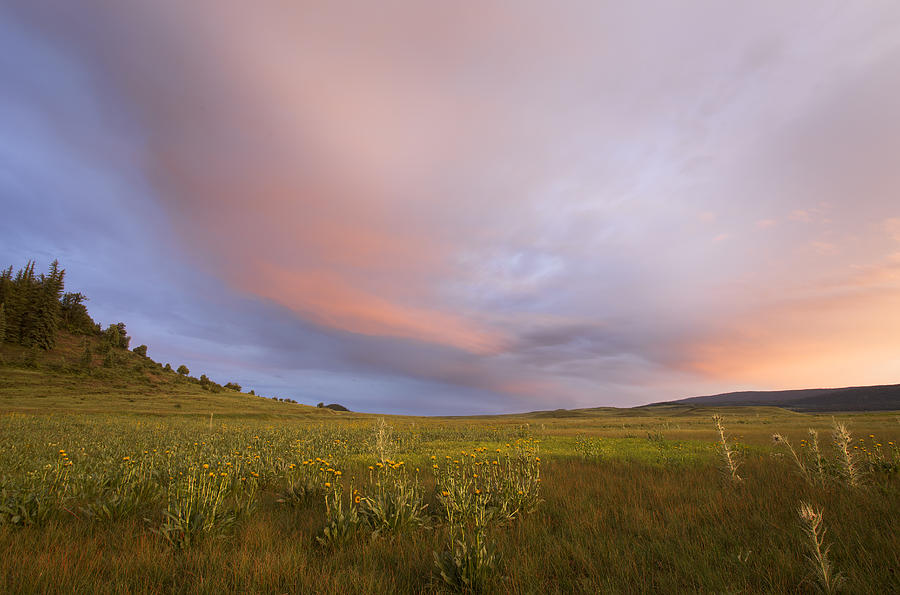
[{"x": 645, "y": 517}]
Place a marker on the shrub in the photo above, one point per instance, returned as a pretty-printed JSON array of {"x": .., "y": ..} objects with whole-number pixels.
[
  {"x": 86, "y": 356},
  {"x": 141, "y": 350},
  {"x": 30, "y": 359},
  {"x": 183, "y": 370},
  {"x": 110, "y": 359}
]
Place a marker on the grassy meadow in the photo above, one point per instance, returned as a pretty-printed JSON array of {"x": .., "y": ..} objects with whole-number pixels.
[
  {"x": 613, "y": 501},
  {"x": 124, "y": 477}
]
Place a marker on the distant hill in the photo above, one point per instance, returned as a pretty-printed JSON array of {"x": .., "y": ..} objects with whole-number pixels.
[
  {"x": 332, "y": 406},
  {"x": 853, "y": 398}
]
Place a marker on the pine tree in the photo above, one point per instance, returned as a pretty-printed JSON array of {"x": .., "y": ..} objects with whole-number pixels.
[
  {"x": 5, "y": 283},
  {"x": 5, "y": 292},
  {"x": 124, "y": 339},
  {"x": 75, "y": 317},
  {"x": 45, "y": 309},
  {"x": 19, "y": 314}
]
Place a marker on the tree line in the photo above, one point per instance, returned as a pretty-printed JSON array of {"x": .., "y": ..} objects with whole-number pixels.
[{"x": 35, "y": 307}]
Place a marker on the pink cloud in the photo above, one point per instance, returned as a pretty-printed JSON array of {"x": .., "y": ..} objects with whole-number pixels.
[{"x": 499, "y": 185}]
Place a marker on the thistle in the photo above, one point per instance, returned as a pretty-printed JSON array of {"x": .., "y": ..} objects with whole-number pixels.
[
  {"x": 827, "y": 580},
  {"x": 383, "y": 440},
  {"x": 819, "y": 468},
  {"x": 849, "y": 468},
  {"x": 730, "y": 462}
]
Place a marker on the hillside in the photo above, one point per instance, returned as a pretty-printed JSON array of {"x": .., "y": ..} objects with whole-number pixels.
[
  {"x": 854, "y": 398},
  {"x": 61, "y": 380}
]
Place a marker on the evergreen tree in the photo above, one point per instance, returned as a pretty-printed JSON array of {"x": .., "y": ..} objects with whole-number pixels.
[
  {"x": 5, "y": 293},
  {"x": 45, "y": 309},
  {"x": 75, "y": 317},
  {"x": 5, "y": 283},
  {"x": 19, "y": 314},
  {"x": 124, "y": 339}
]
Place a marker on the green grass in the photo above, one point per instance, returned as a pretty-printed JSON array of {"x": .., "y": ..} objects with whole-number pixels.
[
  {"x": 632, "y": 500},
  {"x": 134, "y": 385}
]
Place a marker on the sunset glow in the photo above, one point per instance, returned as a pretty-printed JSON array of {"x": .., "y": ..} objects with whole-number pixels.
[{"x": 463, "y": 208}]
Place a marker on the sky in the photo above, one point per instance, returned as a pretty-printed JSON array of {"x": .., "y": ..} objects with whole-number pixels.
[{"x": 463, "y": 208}]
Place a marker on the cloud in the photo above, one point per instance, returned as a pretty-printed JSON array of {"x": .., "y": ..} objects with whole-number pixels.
[
  {"x": 510, "y": 208},
  {"x": 892, "y": 227}
]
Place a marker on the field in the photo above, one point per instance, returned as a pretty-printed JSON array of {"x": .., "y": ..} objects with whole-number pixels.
[{"x": 288, "y": 499}]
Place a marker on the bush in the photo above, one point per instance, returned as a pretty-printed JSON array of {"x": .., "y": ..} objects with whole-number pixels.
[
  {"x": 110, "y": 359},
  {"x": 30, "y": 359},
  {"x": 233, "y": 386},
  {"x": 86, "y": 356},
  {"x": 183, "y": 370},
  {"x": 141, "y": 350}
]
